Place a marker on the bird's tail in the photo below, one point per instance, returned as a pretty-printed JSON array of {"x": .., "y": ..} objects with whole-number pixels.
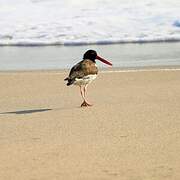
[{"x": 70, "y": 81}]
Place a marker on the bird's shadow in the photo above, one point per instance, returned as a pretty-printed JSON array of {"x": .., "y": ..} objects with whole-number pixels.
[
  {"x": 31, "y": 111},
  {"x": 28, "y": 111}
]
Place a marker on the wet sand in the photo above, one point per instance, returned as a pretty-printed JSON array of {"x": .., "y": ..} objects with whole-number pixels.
[
  {"x": 131, "y": 133},
  {"x": 63, "y": 57}
]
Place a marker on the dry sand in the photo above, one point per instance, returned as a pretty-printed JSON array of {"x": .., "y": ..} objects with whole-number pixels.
[{"x": 131, "y": 133}]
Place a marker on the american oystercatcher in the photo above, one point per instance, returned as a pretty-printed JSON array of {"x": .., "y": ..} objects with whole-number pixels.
[{"x": 84, "y": 73}]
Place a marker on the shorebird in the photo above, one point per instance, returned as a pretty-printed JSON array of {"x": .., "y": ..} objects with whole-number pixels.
[{"x": 84, "y": 73}]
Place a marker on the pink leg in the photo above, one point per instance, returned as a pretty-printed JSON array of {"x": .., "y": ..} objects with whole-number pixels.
[
  {"x": 85, "y": 90},
  {"x": 83, "y": 94},
  {"x": 84, "y": 104}
]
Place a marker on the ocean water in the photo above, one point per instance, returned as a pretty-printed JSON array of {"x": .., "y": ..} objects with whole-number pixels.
[
  {"x": 77, "y": 22},
  {"x": 64, "y": 57}
]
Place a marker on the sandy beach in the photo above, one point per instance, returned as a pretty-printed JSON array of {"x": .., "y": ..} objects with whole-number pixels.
[{"x": 131, "y": 133}]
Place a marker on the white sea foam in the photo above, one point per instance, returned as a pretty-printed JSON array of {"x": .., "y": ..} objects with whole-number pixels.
[{"x": 74, "y": 22}]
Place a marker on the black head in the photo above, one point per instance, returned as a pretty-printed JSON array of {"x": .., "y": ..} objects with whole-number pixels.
[{"x": 90, "y": 54}]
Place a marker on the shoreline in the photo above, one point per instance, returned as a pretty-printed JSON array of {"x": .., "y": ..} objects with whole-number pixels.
[
  {"x": 120, "y": 42},
  {"x": 101, "y": 70},
  {"x": 124, "y": 56}
]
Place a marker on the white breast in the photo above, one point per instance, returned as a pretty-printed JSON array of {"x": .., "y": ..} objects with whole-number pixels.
[{"x": 85, "y": 80}]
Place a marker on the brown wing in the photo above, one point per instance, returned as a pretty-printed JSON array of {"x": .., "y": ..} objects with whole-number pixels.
[
  {"x": 76, "y": 71},
  {"x": 81, "y": 69}
]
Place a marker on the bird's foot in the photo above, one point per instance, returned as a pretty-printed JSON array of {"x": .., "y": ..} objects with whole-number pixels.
[{"x": 85, "y": 104}]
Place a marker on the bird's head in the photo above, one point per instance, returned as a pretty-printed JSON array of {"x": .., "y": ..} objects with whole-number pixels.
[{"x": 92, "y": 55}]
